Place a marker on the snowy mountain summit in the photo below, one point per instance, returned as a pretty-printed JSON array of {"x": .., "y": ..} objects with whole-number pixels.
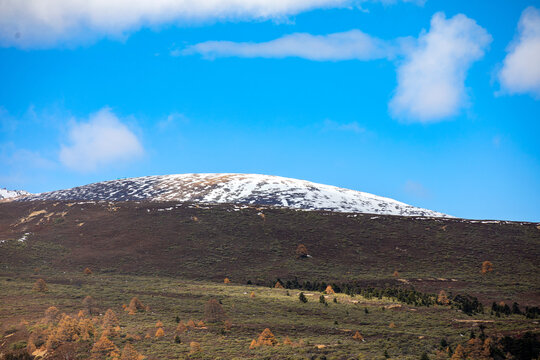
[
  {"x": 10, "y": 194},
  {"x": 246, "y": 189}
]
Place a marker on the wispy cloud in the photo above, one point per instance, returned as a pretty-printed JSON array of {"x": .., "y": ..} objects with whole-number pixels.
[
  {"x": 349, "y": 45},
  {"x": 48, "y": 23},
  {"x": 521, "y": 70},
  {"x": 416, "y": 189},
  {"x": 98, "y": 142},
  {"x": 354, "y": 126},
  {"x": 431, "y": 81}
]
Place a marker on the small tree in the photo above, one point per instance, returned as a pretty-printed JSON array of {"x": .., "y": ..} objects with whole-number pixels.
[
  {"x": 135, "y": 305},
  {"x": 213, "y": 311},
  {"x": 160, "y": 332},
  {"x": 159, "y": 324},
  {"x": 302, "y": 297},
  {"x": 287, "y": 341},
  {"x": 301, "y": 251},
  {"x": 40, "y": 285},
  {"x": 442, "y": 298},
  {"x": 110, "y": 320},
  {"x": 329, "y": 290},
  {"x": 266, "y": 338},
  {"x": 252, "y": 295},
  {"x": 226, "y": 281},
  {"x": 278, "y": 285},
  {"x": 87, "y": 271},
  {"x": 487, "y": 267},
  {"x": 105, "y": 348},
  {"x": 227, "y": 325},
  {"x": 194, "y": 348},
  {"x": 129, "y": 353},
  {"x": 396, "y": 274},
  {"x": 392, "y": 325}
]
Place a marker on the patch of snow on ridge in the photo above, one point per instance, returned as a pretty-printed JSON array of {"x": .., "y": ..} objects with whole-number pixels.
[
  {"x": 9, "y": 194},
  {"x": 240, "y": 189}
]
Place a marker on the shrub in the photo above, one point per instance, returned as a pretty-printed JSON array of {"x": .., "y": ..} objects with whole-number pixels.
[
  {"x": 487, "y": 267},
  {"x": 301, "y": 251},
  {"x": 194, "y": 347},
  {"x": 302, "y": 297},
  {"x": 213, "y": 311},
  {"x": 322, "y": 300},
  {"x": 227, "y": 325},
  {"x": 181, "y": 328},
  {"x": 87, "y": 271},
  {"x": 358, "y": 337},
  {"x": 40, "y": 286},
  {"x": 190, "y": 324},
  {"x": 396, "y": 274}
]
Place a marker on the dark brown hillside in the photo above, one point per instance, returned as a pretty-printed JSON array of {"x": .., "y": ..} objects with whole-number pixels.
[{"x": 214, "y": 242}]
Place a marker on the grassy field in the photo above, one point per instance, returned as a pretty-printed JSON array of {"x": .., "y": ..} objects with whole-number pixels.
[
  {"x": 174, "y": 259},
  {"x": 417, "y": 329}
]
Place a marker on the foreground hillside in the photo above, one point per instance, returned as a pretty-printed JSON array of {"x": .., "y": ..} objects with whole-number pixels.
[{"x": 244, "y": 243}]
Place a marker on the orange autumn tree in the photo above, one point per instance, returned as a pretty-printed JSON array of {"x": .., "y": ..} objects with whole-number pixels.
[
  {"x": 87, "y": 271},
  {"x": 442, "y": 298},
  {"x": 329, "y": 290},
  {"x": 278, "y": 285},
  {"x": 160, "y": 332},
  {"x": 181, "y": 328},
  {"x": 487, "y": 267},
  {"x": 104, "y": 348},
  {"x": 226, "y": 281},
  {"x": 134, "y": 306},
  {"x": 129, "y": 353},
  {"x": 110, "y": 320},
  {"x": 358, "y": 337},
  {"x": 266, "y": 338}
]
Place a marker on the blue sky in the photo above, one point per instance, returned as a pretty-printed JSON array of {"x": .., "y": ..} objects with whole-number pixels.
[{"x": 435, "y": 103}]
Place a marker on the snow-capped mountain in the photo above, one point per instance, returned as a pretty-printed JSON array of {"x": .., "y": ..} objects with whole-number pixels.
[
  {"x": 248, "y": 189},
  {"x": 8, "y": 194}
]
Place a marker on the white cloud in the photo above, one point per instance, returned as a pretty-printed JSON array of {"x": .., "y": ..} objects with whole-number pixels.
[
  {"x": 431, "y": 81},
  {"x": 521, "y": 69},
  {"x": 43, "y": 23},
  {"x": 330, "y": 125},
  {"x": 353, "y": 44},
  {"x": 101, "y": 141},
  {"x": 46, "y": 23}
]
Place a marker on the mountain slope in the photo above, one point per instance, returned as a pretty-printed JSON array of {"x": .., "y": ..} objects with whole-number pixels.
[{"x": 248, "y": 189}]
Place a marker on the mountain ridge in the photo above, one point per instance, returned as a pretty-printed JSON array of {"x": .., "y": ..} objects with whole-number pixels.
[{"x": 246, "y": 189}]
